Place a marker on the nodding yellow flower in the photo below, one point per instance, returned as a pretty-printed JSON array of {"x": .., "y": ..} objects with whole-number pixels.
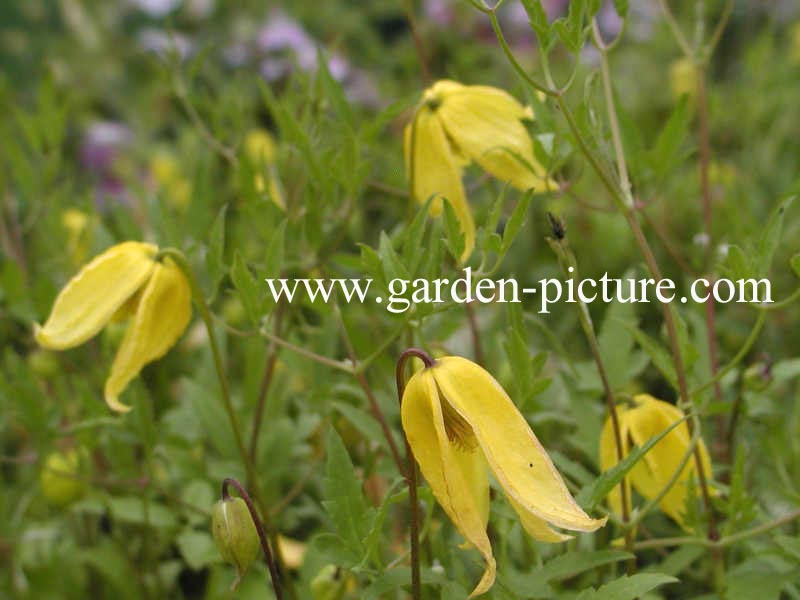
[
  {"x": 126, "y": 281},
  {"x": 645, "y": 419},
  {"x": 260, "y": 150},
  {"x": 459, "y": 421},
  {"x": 456, "y": 124}
]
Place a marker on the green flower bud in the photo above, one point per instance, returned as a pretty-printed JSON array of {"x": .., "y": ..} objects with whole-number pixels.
[
  {"x": 235, "y": 534},
  {"x": 328, "y": 584},
  {"x": 59, "y": 478},
  {"x": 43, "y": 363}
]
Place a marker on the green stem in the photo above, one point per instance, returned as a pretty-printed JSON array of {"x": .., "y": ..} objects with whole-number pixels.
[
  {"x": 411, "y": 471},
  {"x": 722, "y": 542},
  {"x": 202, "y": 307}
]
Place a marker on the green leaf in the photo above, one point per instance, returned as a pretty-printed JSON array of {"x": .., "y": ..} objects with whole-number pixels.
[
  {"x": 197, "y": 549},
  {"x": 621, "y": 6},
  {"x": 453, "y": 235},
  {"x": 591, "y": 495},
  {"x": 361, "y": 420},
  {"x": 345, "y": 502},
  {"x": 538, "y": 20},
  {"x": 628, "y": 587},
  {"x": 215, "y": 257},
  {"x": 535, "y": 583},
  {"x": 516, "y": 220},
  {"x": 247, "y": 287},
  {"x": 661, "y": 359},
  {"x": 666, "y": 153}
]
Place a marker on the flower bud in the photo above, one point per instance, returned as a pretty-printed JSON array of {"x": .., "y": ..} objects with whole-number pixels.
[
  {"x": 235, "y": 534},
  {"x": 59, "y": 478}
]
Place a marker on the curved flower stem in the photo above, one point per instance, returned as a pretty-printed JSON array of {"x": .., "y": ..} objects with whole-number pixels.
[
  {"x": 408, "y": 6},
  {"x": 273, "y": 568},
  {"x": 569, "y": 266},
  {"x": 411, "y": 470},
  {"x": 477, "y": 348},
  {"x": 205, "y": 314}
]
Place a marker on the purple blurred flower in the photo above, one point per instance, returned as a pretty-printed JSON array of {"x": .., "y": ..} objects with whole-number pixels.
[
  {"x": 101, "y": 145},
  {"x": 156, "y": 8},
  {"x": 282, "y": 34},
  {"x": 440, "y": 12}
]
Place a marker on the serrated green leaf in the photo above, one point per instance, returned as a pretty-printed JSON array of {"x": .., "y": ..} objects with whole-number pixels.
[{"x": 345, "y": 502}]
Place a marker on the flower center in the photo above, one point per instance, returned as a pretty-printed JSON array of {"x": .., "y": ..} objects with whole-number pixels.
[{"x": 458, "y": 430}]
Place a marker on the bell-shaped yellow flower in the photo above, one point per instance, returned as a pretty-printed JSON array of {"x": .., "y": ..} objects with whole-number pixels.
[
  {"x": 647, "y": 418},
  {"x": 260, "y": 150},
  {"x": 124, "y": 280},
  {"x": 458, "y": 420},
  {"x": 457, "y": 124}
]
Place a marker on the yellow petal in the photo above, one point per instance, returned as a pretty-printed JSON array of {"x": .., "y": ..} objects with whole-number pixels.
[
  {"x": 536, "y": 527},
  {"x": 163, "y": 314},
  {"x": 485, "y": 124},
  {"x": 449, "y": 470},
  {"x": 651, "y": 417},
  {"x": 435, "y": 172},
  {"x": 518, "y": 460},
  {"x": 90, "y": 298},
  {"x": 608, "y": 455}
]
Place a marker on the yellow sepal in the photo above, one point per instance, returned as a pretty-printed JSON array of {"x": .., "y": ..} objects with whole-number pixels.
[{"x": 99, "y": 289}]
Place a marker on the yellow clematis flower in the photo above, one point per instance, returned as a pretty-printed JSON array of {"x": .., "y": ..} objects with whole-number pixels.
[
  {"x": 125, "y": 280},
  {"x": 458, "y": 420},
  {"x": 647, "y": 418},
  {"x": 456, "y": 124},
  {"x": 260, "y": 150}
]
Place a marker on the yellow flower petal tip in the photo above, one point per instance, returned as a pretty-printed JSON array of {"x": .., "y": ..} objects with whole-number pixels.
[
  {"x": 125, "y": 281},
  {"x": 457, "y": 124},
  {"x": 644, "y": 419},
  {"x": 460, "y": 424}
]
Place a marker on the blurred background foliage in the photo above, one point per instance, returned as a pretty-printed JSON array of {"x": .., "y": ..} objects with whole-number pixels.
[{"x": 127, "y": 120}]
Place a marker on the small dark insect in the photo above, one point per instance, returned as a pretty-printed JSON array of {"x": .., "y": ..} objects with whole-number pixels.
[{"x": 558, "y": 226}]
